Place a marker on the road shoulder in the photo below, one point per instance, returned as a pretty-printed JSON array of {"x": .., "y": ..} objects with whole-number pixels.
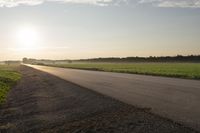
[{"x": 44, "y": 103}]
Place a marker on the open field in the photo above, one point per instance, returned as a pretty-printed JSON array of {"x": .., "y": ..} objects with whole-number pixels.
[
  {"x": 8, "y": 77},
  {"x": 181, "y": 70}
]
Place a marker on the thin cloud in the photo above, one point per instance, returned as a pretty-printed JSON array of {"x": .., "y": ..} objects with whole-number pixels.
[
  {"x": 92, "y": 2},
  {"x": 157, "y": 3},
  {"x": 14, "y": 3},
  {"x": 173, "y": 3}
]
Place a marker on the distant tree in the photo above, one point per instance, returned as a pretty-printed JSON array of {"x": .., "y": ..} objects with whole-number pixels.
[
  {"x": 25, "y": 60},
  {"x": 69, "y": 61},
  {"x": 7, "y": 62}
]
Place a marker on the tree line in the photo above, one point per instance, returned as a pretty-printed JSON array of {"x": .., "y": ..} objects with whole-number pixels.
[{"x": 178, "y": 58}]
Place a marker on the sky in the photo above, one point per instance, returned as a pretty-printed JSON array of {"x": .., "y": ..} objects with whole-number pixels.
[{"x": 79, "y": 29}]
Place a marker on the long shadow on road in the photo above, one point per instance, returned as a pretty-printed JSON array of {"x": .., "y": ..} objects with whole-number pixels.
[{"x": 44, "y": 103}]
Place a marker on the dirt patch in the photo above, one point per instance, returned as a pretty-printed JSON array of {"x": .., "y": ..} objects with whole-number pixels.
[{"x": 45, "y": 103}]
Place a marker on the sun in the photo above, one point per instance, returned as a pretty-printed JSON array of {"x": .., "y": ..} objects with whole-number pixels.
[{"x": 27, "y": 37}]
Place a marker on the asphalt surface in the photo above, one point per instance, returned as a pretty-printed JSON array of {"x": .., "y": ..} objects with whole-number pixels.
[
  {"x": 173, "y": 98},
  {"x": 43, "y": 103}
]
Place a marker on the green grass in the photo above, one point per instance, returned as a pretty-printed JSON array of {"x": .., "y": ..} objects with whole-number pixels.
[
  {"x": 8, "y": 77},
  {"x": 180, "y": 70}
]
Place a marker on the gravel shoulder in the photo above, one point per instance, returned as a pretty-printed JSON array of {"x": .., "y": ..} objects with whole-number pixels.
[{"x": 44, "y": 103}]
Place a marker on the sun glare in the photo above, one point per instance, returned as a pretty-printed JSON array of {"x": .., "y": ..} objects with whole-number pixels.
[{"x": 27, "y": 38}]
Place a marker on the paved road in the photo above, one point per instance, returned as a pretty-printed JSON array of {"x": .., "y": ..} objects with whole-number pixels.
[{"x": 177, "y": 99}]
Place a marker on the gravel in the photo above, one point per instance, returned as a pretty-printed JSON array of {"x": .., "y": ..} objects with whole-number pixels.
[{"x": 41, "y": 102}]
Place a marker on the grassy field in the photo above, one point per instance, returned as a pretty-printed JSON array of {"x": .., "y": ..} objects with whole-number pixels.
[
  {"x": 8, "y": 78},
  {"x": 181, "y": 70}
]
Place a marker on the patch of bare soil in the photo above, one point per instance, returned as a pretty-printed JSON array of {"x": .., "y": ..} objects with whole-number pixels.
[{"x": 44, "y": 103}]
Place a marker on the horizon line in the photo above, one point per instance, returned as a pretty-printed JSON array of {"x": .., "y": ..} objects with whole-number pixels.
[{"x": 104, "y": 57}]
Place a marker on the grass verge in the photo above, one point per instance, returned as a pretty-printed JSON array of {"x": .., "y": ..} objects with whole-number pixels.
[
  {"x": 8, "y": 78},
  {"x": 179, "y": 70}
]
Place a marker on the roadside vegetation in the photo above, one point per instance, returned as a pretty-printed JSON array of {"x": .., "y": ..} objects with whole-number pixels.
[
  {"x": 8, "y": 78},
  {"x": 170, "y": 66},
  {"x": 180, "y": 70}
]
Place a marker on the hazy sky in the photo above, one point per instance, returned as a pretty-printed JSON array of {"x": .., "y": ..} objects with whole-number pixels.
[{"x": 71, "y": 29}]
